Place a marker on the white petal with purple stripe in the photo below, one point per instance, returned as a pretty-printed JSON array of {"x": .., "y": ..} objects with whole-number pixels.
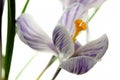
[
  {"x": 63, "y": 43},
  {"x": 95, "y": 49},
  {"x": 31, "y": 34},
  {"x": 78, "y": 65}
]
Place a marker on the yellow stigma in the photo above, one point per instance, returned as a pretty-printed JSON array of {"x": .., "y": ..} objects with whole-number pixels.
[{"x": 79, "y": 26}]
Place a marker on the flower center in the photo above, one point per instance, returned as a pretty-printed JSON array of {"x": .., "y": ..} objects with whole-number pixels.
[{"x": 79, "y": 26}]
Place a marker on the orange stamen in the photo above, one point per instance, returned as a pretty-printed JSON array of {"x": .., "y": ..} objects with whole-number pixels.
[{"x": 79, "y": 26}]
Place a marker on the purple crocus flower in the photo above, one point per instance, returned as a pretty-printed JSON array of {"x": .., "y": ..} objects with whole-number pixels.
[
  {"x": 73, "y": 57},
  {"x": 87, "y": 3}
]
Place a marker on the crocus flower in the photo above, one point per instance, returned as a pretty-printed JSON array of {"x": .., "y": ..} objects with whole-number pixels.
[
  {"x": 73, "y": 57},
  {"x": 87, "y": 3}
]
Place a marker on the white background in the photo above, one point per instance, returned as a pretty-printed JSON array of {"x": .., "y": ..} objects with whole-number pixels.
[{"x": 47, "y": 13}]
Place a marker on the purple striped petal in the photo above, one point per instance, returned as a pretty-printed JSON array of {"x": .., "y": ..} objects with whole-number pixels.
[
  {"x": 63, "y": 43},
  {"x": 87, "y": 3},
  {"x": 96, "y": 48},
  {"x": 31, "y": 34},
  {"x": 75, "y": 11},
  {"x": 78, "y": 65}
]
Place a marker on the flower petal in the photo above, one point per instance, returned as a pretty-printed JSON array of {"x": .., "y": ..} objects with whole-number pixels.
[
  {"x": 96, "y": 48},
  {"x": 63, "y": 42},
  {"x": 75, "y": 11},
  {"x": 31, "y": 34},
  {"x": 87, "y": 3},
  {"x": 78, "y": 65},
  {"x": 77, "y": 45}
]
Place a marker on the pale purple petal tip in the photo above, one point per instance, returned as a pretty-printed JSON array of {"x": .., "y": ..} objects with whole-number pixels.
[
  {"x": 78, "y": 65},
  {"x": 63, "y": 42},
  {"x": 95, "y": 49},
  {"x": 31, "y": 34}
]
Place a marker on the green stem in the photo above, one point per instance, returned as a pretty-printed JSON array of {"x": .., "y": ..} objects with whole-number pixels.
[
  {"x": 96, "y": 10},
  {"x": 10, "y": 36},
  {"x": 21, "y": 71},
  {"x": 52, "y": 60},
  {"x": 26, "y": 4},
  {"x": 56, "y": 73}
]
